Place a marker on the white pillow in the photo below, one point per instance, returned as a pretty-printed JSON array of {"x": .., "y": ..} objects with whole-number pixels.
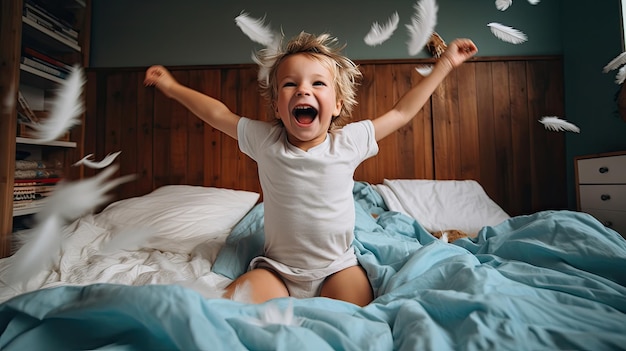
[
  {"x": 179, "y": 217},
  {"x": 443, "y": 204}
]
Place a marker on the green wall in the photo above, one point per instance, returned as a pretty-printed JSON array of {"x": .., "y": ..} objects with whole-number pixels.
[
  {"x": 189, "y": 32},
  {"x": 592, "y": 37},
  {"x": 138, "y": 33}
]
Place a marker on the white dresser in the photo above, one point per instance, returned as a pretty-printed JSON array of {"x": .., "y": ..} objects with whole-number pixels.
[{"x": 601, "y": 188}]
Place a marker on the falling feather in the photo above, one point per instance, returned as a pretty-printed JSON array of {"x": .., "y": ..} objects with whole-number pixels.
[
  {"x": 255, "y": 29},
  {"x": 126, "y": 239},
  {"x": 422, "y": 25},
  {"x": 39, "y": 247},
  {"x": 621, "y": 75},
  {"x": 243, "y": 293},
  {"x": 556, "y": 124},
  {"x": 506, "y": 33},
  {"x": 502, "y": 5},
  {"x": 615, "y": 63},
  {"x": 9, "y": 100},
  {"x": 379, "y": 34},
  {"x": 264, "y": 67},
  {"x": 534, "y": 2},
  {"x": 424, "y": 70},
  {"x": 272, "y": 314},
  {"x": 97, "y": 165},
  {"x": 444, "y": 237},
  {"x": 66, "y": 108},
  {"x": 70, "y": 200}
]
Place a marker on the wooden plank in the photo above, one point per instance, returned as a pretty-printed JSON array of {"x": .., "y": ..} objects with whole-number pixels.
[
  {"x": 196, "y": 151},
  {"x": 252, "y": 106},
  {"x": 113, "y": 121},
  {"x": 486, "y": 130},
  {"x": 366, "y": 97},
  {"x": 145, "y": 126},
  {"x": 10, "y": 40},
  {"x": 445, "y": 112},
  {"x": 128, "y": 135},
  {"x": 520, "y": 199},
  {"x": 229, "y": 177},
  {"x": 502, "y": 135},
  {"x": 468, "y": 123},
  {"x": 178, "y": 136},
  {"x": 387, "y": 160}
]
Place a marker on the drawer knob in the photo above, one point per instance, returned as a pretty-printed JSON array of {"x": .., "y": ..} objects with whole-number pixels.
[
  {"x": 605, "y": 197},
  {"x": 603, "y": 170},
  {"x": 607, "y": 224}
]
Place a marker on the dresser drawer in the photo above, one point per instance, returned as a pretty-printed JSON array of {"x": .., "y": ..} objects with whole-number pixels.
[
  {"x": 606, "y": 197},
  {"x": 602, "y": 170},
  {"x": 615, "y": 220}
]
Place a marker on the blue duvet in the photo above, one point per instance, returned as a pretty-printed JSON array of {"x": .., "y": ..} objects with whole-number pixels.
[{"x": 547, "y": 281}]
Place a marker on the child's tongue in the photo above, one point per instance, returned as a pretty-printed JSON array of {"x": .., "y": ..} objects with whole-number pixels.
[{"x": 305, "y": 119}]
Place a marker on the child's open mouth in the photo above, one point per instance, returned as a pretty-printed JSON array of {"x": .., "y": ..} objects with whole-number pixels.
[{"x": 304, "y": 114}]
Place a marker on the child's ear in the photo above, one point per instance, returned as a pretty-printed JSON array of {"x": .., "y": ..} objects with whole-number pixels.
[{"x": 338, "y": 106}]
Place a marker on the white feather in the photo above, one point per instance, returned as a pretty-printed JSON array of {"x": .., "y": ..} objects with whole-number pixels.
[
  {"x": 272, "y": 314},
  {"x": 71, "y": 200},
  {"x": 615, "y": 63},
  {"x": 9, "y": 100},
  {"x": 129, "y": 239},
  {"x": 107, "y": 160},
  {"x": 379, "y": 34},
  {"x": 39, "y": 247},
  {"x": 506, "y": 33},
  {"x": 66, "y": 108},
  {"x": 621, "y": 75},
  {"x": 264, "y": 67},
  {"x": 444, "y": 237},
  {"x": 534, "y": 2},
  {"x": 502, "y": 5},
  {"x": 422, "y": 25},
  {"x": 255, "y": 29},
  {"x": 556, "y": 124},
  {"x": 424, "y": 70},
  {"x": 243, "y": 293}
]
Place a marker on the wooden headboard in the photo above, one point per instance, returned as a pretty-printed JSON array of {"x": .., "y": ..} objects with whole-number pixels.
[{"x": 481, "y": 124}]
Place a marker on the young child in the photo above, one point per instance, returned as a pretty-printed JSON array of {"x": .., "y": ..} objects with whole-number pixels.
[{"x": 306, "y": 162}]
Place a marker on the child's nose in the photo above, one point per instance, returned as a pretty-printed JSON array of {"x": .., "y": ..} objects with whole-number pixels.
[{"x": 303, "y": 92}]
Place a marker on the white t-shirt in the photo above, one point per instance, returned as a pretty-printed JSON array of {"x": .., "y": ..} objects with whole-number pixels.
[{"x": 308, "y": 201}]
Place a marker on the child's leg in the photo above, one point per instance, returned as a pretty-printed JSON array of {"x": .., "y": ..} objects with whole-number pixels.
[
  {"x": 263, "y": 284},
  {"x": 350, "y": 284}
]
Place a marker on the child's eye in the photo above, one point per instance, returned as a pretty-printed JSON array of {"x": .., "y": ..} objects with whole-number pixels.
[
  {"x": 319, "y": 83},
  {"x": 289, "y": 84}
]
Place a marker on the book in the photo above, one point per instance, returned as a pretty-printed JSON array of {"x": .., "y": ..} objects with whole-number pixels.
[
  {"x": 43, "y": 67},
  {"x": 43, "y": 57},
  {"x": 62, "y": 25},
  {"x": 38, "y": 60},
  {"x": 37, "y": 181},
  {"x": 24, "y": 109},
  {"x": 33, "y": 16}
]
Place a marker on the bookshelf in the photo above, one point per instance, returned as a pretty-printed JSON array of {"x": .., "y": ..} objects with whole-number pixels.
[{"x": 39, "y": 41}]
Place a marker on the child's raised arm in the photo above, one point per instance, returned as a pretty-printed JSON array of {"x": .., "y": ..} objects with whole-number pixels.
[
  {"x": 412, "y": 102},
  {"x": 210, "y": 110}
]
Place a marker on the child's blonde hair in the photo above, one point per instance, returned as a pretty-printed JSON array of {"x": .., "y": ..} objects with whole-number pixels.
[{"x": 323, "y": 48}]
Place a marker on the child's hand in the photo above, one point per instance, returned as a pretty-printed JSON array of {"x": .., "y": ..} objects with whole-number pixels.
[
  {"x": 459, "y": 51},
  {"x": 160, "y": 77}
]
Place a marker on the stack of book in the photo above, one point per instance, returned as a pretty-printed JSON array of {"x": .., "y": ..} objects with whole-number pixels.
[
  {"x": 32, "y": 193},
  {"x": 34, "y": 181},
  {"x": 34, "y": 11},
  {"x": 44, "y": 63}
]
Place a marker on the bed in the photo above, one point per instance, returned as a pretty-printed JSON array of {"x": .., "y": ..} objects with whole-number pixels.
[{"x": 545, "y": 281}]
